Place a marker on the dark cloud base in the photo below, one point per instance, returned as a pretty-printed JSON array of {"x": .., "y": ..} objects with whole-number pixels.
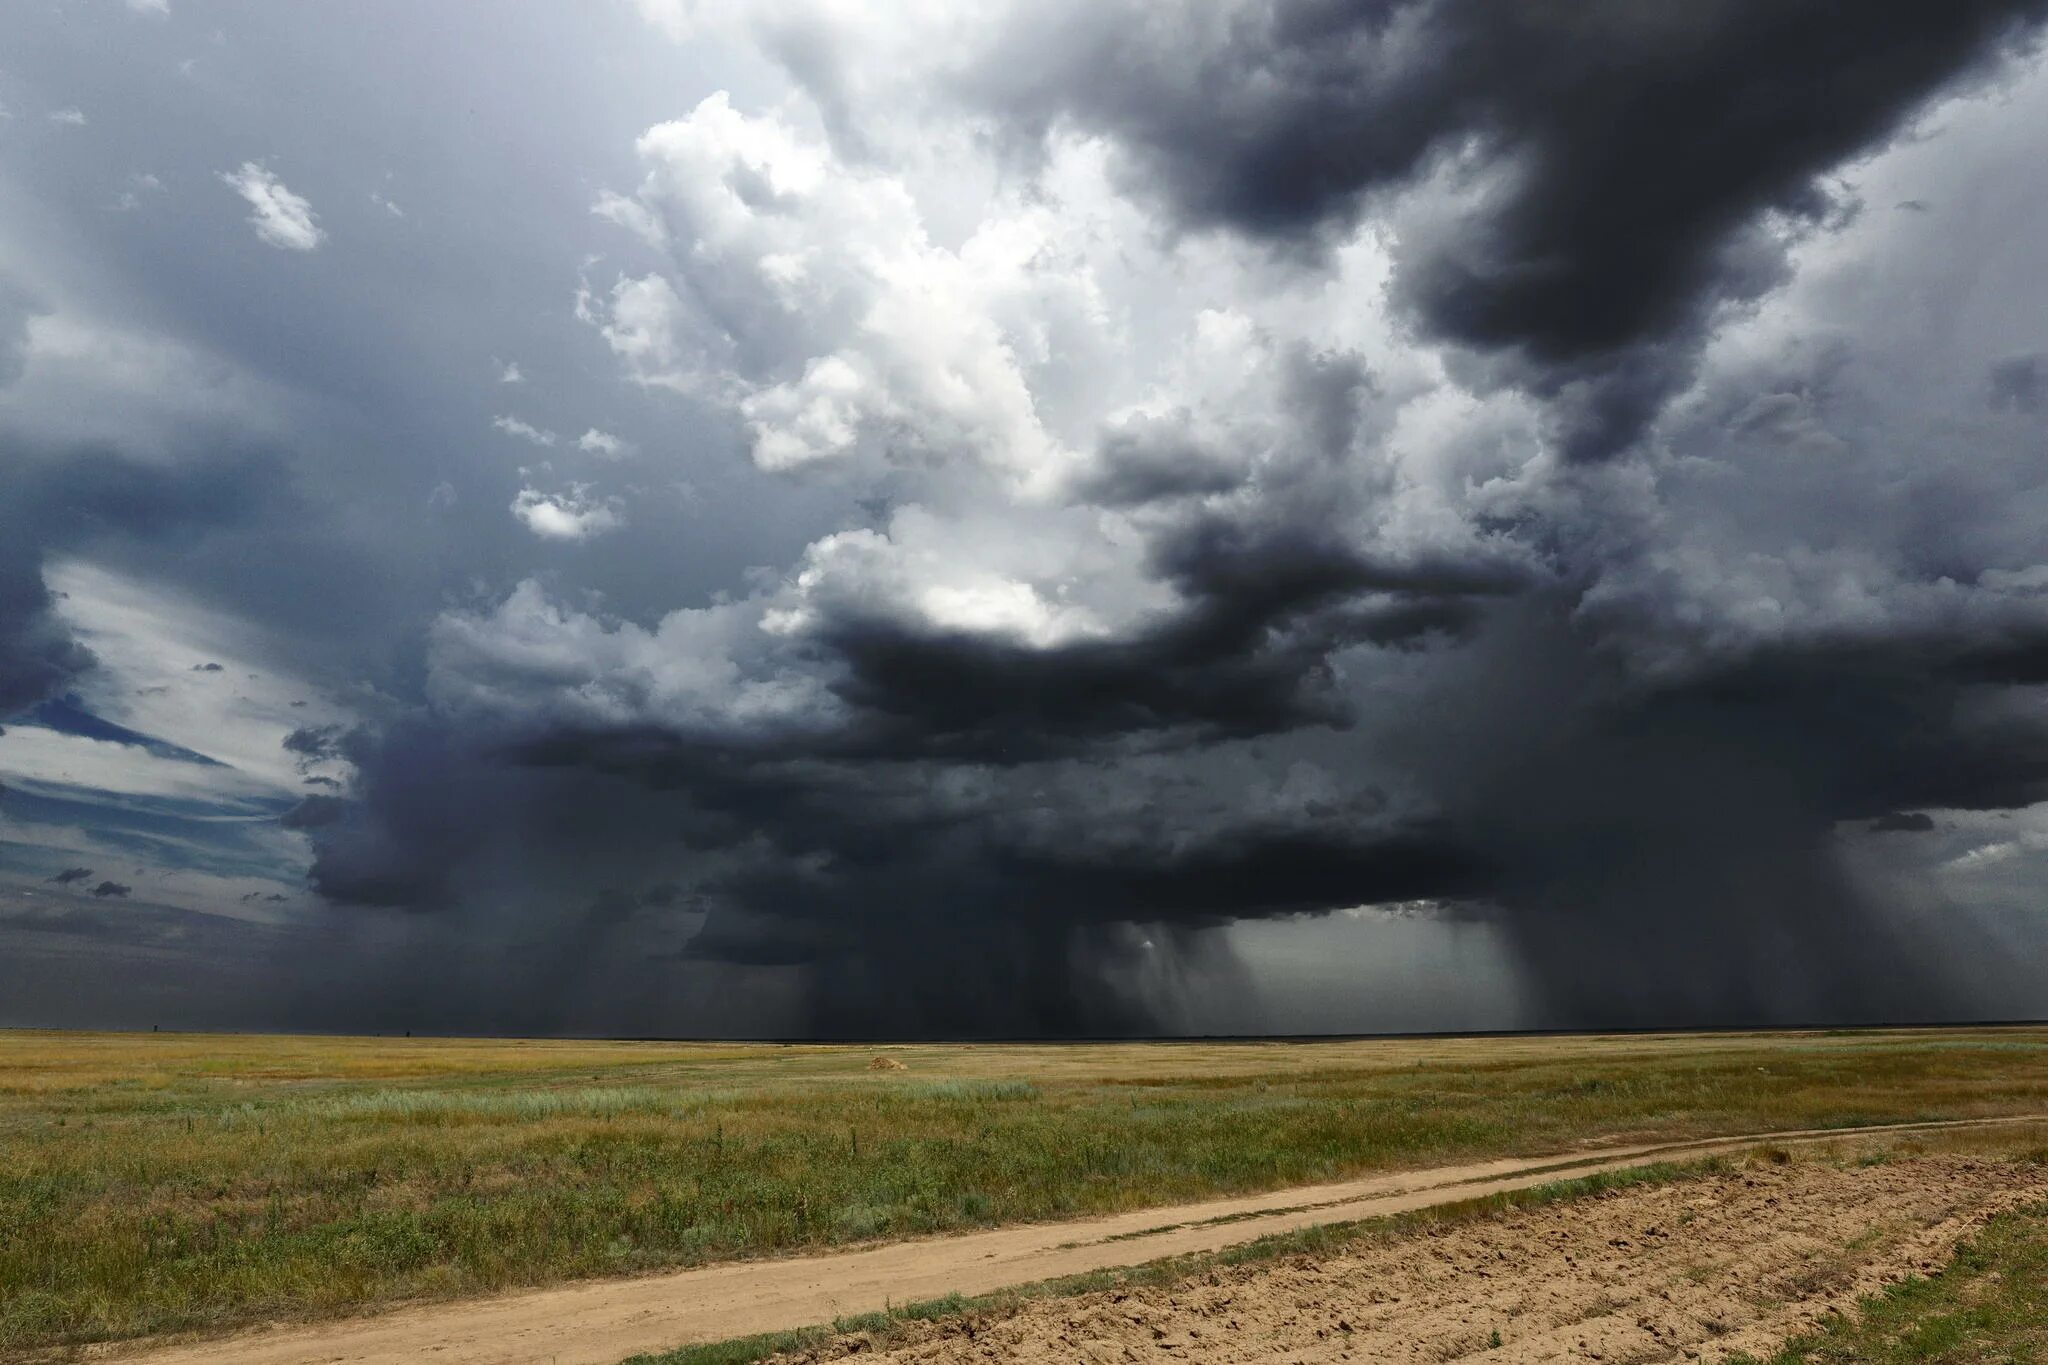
[{"x": 1663, "y": 855}]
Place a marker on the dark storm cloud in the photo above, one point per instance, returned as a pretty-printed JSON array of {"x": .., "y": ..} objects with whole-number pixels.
[
  {"x": 913, "y": 907},
  {"x": 38, "y": 654},
  {"x": 1656, "y": 853},
  {"x": 61, "y": 500},
  {"x": 312, "y": 743},
  {"x": 1068, "y": 870},
  {"x": 314, "y": 811},
  {"x": 969, "y": 931},
  {"x": 1361, "y": 670},
  {"x": 1617, "y": 161},
  {"x": 970, "y": 845},
  {"x": 1150, "y": 460},
  {"x": 418, "y": 814},
  {"x": 1269, "y": 588},
  {"x": 1669, "y": 851},
  {"x": 1246, "y": 872},
  {"x": 1248, "y": 660},
  {"x": 1663, "y": 853},
  {"x": 729, "y": 937},
  {"x": 1903, "y": 822}
]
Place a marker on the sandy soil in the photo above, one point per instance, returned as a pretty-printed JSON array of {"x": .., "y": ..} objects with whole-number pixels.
[
  {"x": 1693, "y": 1271},
  {"x": 603, "y": 1322}
]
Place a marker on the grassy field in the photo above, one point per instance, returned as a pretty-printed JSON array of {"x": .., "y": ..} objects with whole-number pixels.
[{"x": 159, "y": 1182}]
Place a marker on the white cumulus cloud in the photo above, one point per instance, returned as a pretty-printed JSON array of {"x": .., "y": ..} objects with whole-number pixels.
[
  {"x": 603, "y": 443},
  {"x": 570, "y": 515},
  {"x": 837, "y": 321},
  {"x": 281, "y": 218},
  {"x": 525, "y": 431},
  {"x": 642, "y": 321}
]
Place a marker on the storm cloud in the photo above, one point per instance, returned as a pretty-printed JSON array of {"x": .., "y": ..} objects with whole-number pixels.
[
  {"x": 1609, "y": 175},
  {"x": 65, "y": 500},
  {"x": 1062, "y": 487}
]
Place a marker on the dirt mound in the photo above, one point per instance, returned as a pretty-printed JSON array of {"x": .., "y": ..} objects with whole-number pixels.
[{"x": 1701, "y": 1269}]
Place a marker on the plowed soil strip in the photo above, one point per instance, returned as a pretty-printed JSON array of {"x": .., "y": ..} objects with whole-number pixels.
[
  {"x": 603, "y": 1322},
  {"x": 1696, "y": 1270}
]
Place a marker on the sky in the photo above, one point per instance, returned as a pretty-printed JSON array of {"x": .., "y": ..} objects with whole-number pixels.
[{"x": 805, "y": 518}]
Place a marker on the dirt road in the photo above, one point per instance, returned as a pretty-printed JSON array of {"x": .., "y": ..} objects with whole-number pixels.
[{"x": 601, "y": 1323}]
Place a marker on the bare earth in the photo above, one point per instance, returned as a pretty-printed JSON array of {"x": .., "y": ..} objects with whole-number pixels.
[
  {"x": 1693, "y": 1271},
  {"x": 1539, "y": 1278}
]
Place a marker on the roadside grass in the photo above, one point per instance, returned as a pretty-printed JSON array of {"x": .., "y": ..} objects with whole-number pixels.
[
  {"x": 1988, "y": 1306},
  {"x": 892, "y": 1327},
  {"x": 157, "y": 1183}
]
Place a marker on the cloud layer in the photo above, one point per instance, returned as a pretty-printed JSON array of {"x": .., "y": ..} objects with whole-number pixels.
[{"x": 1059, "y": 485}]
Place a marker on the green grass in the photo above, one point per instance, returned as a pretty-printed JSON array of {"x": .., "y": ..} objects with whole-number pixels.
[
  {"x": 1989, "y": 1306},
  {"x": 889, "y": 1328},
  {"x": 157, "y": 1183}
]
